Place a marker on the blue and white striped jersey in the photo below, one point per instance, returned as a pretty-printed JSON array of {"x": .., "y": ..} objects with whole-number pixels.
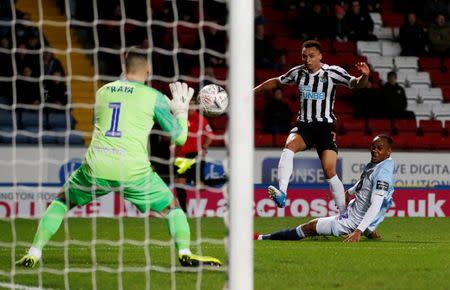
[{"x": 317, "y": 90}]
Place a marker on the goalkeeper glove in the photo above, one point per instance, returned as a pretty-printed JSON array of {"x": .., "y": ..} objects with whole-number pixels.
[
  {"x": 184, "y": 164},
  {"x": 181, "y": 96}
]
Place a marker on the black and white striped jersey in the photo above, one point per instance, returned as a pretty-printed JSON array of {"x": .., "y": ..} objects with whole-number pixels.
[{"x": 317, "y": 90}]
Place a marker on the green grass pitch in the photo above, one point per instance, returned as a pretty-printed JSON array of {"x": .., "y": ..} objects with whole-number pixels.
[{"x": 414, "y": 254}]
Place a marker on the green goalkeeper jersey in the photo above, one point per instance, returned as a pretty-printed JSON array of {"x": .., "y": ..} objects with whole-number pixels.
[{"x": 125, "y": 113}]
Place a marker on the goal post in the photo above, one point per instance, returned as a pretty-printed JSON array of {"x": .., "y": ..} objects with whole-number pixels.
[
  {"x": 241, "y": 143},
  {"x": 108, "y": 240}
]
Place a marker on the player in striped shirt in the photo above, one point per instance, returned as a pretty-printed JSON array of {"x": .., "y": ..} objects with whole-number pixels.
[
  {"x": 117, "y": 158},
  {"x": 373, "y": 197},
  {"x": 316, "y": 123}
]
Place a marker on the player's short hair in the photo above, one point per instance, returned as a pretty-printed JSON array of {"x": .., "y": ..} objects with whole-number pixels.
[
  {"x": 135, "y": 59},
  {"x": 313, "y": 43},
  {"x": 387, "y": 138}
]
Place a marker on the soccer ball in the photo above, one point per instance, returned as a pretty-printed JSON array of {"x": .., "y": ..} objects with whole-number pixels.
[{"x": 212, "y": 100}]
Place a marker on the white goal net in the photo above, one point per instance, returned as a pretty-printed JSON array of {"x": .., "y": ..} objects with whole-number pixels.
[{"x": 54, "y": 55}]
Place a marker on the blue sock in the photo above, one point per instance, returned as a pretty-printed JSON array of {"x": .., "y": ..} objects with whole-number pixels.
[{"x": 285, "y": 235}]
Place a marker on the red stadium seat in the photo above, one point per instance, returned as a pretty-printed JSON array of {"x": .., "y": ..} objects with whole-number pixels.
[
  {"x": 443, "y": 143},
  {"x": 187, "y": 37},
  {"x": 280, "y": 140},
  {"x": 379, "y": 126},
  {"x": 440, "y": 79},
  {"x": 349, "y": 125},
  {"x": 288, "y": 44},
  {"x": 401, "y": 126},
  {"x": 429, "y": 64},
  {"x": 426, "y": 142},
  {"x": 447, "y": 128},
  {"x": 341, "y": 107},
  {"x": 392, "y": 20},
  {"x": 273, "y": 15},
  {"x": 446, "y": 94},
  {"x": 219, "y": 123},
  {"x": 354, "y": 140},
  {"x": 262, "y": 75},
  {"x": 405, "y": 141},
  {"x": 347, "y": 47},
  {"x": 260, "y": 102},
  {"x": 259, "y": 125},
  {"x": 430, "y": 127},
  {"x": 221, "y": 73},
  {"x": 263, "y": 140}
]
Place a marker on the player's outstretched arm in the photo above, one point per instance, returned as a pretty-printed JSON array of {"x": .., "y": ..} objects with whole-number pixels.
[
  {"x": 270, "y": 84},
  {"x": 362, "y": 80}
]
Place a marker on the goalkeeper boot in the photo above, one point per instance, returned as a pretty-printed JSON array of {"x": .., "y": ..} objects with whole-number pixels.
[
  {"x": 28, "y": 261},
  {"x": 277, "y": 195},
  {"x": 192, "y": 260}
]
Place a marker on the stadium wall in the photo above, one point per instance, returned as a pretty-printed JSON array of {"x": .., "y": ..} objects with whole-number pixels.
[
  {"x": 52, "y": 165},
  {"x": 31, "y": 201},
  {"x": 38, "y": 174}
]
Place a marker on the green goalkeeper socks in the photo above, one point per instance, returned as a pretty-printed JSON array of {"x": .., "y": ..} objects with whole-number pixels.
[
  {"x": 179, "y": 228},
  {"x": 49, "y": 224}
]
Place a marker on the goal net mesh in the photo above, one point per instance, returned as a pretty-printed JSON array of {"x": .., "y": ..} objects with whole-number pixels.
[{"x": 54, "y": 55}]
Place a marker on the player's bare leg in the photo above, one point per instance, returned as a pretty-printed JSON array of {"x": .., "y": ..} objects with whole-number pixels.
[
  {"x": 294, "y": 144},
  {"x": 48, "y": 226},
  {"x": 180, "y": 231},
  {"x": 328, "y": 159}
]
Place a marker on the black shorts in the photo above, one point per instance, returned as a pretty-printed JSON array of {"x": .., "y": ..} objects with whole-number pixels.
[{"x": 319, "y": 134}]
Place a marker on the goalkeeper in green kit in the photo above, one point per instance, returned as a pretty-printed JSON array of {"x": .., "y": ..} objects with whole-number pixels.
[{"x": 117, "y": 158}]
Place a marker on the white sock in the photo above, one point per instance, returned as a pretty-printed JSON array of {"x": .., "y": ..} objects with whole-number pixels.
[
  {"x": 338, "y": 192},
  {"x": 35, "y": 252},
  {"x": 182, "y": 252},
  {"x": 285, "y": 166}
]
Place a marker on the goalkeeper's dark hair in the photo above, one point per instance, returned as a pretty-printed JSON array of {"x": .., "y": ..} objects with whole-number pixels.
[
  {"x": 135, "y": 58},
  {"x": 312, "y": 43},
  {"x": 387, "y": 138}
]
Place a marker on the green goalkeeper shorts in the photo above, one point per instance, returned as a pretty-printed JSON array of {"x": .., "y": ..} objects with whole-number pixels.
[{"x": 148, "y": 193}]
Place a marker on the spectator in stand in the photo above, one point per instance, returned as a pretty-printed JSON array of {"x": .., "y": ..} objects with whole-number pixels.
[
  {"x": 373, "y": 6},
  {"x": 364, "y": 100},
  {"x": 434, "y": 7},
  {"x": 277, "y": 114},
  {"x": 439, "y": 35},
  {"x": 259, "y": 16},
  {"x": 51, "y": 64},
  {"x": 6, "y": 70},
  {"x": 28, "y": 91},
  {"x": 359, "y": 23},
  {"x": 215, "y": 40},
  {"x": 412, "y": 36},
  {"x": 56, "y": 90},
  {"x": 264, "y": 51},
  {"x": 317, "y": 14},
  {"x": 198, "y": 131},
  {"x": 23, "y": 31},
  {"x": 339, "y": 29},
  {"x": 394, "y": 99}
]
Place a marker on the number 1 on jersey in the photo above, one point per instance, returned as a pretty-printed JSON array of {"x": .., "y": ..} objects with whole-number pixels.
[{"x": 113, "y": 132}]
